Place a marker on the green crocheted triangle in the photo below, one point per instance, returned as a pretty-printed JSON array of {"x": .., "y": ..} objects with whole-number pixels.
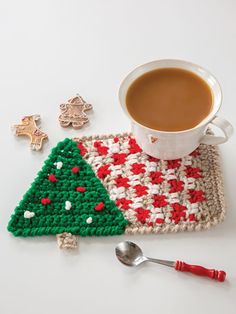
[{"x": 66, "y": 196}]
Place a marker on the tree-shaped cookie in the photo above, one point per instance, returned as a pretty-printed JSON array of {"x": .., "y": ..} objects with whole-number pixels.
[
  {"x": 73, "y": 112},
  {"x": 66, "y": 197}
]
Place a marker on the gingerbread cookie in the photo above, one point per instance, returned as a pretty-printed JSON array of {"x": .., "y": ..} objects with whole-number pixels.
[
  {"x": 73, "y": 112},
  {"x": 28, "y": 127}
]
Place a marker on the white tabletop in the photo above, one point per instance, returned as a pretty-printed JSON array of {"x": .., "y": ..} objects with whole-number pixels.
[{"x": 51, "y": 50}]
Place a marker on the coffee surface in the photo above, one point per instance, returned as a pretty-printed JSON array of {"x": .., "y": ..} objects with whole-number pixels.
[{"x": 169, "y": 99}]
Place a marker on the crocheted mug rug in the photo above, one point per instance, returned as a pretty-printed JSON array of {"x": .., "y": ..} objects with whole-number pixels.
[
  {"x": 158, "y": 196},
  {"x": 106, "y": 185}
]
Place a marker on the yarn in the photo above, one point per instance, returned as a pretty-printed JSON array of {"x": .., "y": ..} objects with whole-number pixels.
[
  {"x": 59, "y": 164},
  {"x": 157, "y": 196},
  {"x": 52, "y": 178},
  {"x": 68, "y": 205},
  {"x": 80, "y": 189},
  {"x": 75, "y": 170},
  {"x": 89, "y": 220},
  {"x": 28, "y": 214},
  {"x": 57, "y": 207},
  {"x": 151, "y": 195},
  {"x": 45, "y": 201},
  {"x": 100, "y": 206},
  {"x": 66, "y": 240}
]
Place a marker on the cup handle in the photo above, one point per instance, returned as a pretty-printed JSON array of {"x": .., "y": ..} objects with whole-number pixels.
[{"x": 226, "y": 128}]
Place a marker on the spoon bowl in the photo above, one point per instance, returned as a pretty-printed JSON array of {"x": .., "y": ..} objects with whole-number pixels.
[{"x": 129, "y": 253}]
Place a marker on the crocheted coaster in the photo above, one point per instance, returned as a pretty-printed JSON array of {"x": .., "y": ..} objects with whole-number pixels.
[
  {"x": 158, "y": 196},
  {"x": 66, "y": 197},
  {"x": 106, "y": 185}
]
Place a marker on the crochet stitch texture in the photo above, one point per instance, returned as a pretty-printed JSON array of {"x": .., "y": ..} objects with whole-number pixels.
[
  {"x": 77, "y": 191},
  {"x": 66, "y": 196},
  {"x": 158, "y": 196}
]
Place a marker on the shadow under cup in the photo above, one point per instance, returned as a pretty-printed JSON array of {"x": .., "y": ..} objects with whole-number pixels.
[{"x": 173, "y": 145}]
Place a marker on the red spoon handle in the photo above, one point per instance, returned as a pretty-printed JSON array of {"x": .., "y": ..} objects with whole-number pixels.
[{"x": 201, "y": 271}]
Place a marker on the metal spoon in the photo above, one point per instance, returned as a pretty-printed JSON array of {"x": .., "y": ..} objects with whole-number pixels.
[{"x": 130, "y": 254}]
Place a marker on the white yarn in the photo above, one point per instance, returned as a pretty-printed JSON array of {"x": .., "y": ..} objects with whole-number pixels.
[
  {"x": 68, "y": 205},
  {"x": 59, "y": 164},
  {"x": 28, "y": 214},
  {"x": 194, "y": 208},
  {"x": 153, "y": 188},
  {"x": 89, "y": 220},
  {"x": 114, "y": 148}
]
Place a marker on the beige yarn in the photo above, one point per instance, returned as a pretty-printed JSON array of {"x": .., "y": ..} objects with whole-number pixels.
[{"x": 66, "y": 240}]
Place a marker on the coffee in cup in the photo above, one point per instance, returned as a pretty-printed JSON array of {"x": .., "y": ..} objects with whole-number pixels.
[{"x": 169, "y": 99}]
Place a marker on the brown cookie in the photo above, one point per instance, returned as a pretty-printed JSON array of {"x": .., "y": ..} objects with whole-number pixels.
[
  {"x": 73, "y": 112},
  {"x": 28, "y": 127}
]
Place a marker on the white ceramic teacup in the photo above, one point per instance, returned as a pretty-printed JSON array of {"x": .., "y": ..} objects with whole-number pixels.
[{"x": 173, "y": 145}]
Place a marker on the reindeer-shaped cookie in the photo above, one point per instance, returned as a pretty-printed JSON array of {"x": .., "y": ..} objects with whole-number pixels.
[
  {"x": 73, "y": 112},
  {"x": 29, "y": 128}
]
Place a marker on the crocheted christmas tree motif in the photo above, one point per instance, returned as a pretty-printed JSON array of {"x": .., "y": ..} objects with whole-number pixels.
[{"x": 66, "y": 197}]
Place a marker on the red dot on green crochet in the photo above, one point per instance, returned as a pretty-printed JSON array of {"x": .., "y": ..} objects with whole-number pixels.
[
  {"x": 45, "y": 201},
  {"x": 80, "y": 189},
  {"x": 52, "y": 178},
  {"x": 75, "y": 170},
  {"x": 100, "y": 206}
]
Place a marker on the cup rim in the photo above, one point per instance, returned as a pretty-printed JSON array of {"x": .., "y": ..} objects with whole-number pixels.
[{"x": 139, "y": 69}]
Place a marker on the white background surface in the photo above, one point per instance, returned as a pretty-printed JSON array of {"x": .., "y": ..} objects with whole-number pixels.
[{"x": 49, "y": 51}]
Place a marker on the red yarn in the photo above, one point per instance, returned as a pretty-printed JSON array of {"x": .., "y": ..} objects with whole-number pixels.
[
  {"x": 102, "y": 150},
  {"x": 123, "y": 203},
  {"x": 119, "y": 158},
  {"x": 195, "y": 153},
  {"x": 52, "y": 178},
  {"x": 80, "y": 189},
  {"x": 116, "y": 139},
  {"x": 172, "y": 164},
  {"x": 196, "y": 196},
  {"x": 75, "y": 170},
  {"x": 82, "y": 148},
  {"x": 159, "y": 201},
  {"x": 176, "y": 186},
  {"x": 103, "y": 171},
  {"x": 140, "y": 189},
  {"x": 156, "y": 177},
  {"x": 45, "y": 201},
  {"x": 122, "y": 182},
  {"x": 137, "y": 168},
  {"x": 192, "y": 217},
  {"x": 100, "y": 206},
  {"x": 178, "y": 212},
  {"x": 159, "y": 221},
  {"x": 193, "y": 172},
  {"x": 153, "y": 159},
  {"x": 178, "y": 207},
  {"x": 133, "y": 146},
  {"x": 97, "y": 144},
  {"x": 142, "y": 214}
]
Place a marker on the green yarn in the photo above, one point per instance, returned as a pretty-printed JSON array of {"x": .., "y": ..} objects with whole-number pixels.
[{"x": 53, "y": 218}]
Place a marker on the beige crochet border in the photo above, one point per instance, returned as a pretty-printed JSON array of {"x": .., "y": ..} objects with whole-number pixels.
[{"x": 211, "y": 182}]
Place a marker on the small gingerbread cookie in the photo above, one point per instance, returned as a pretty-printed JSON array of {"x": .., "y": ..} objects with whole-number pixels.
[
  {"x": 73, "y": 112},
  {"x": 28, "y": 127}
]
